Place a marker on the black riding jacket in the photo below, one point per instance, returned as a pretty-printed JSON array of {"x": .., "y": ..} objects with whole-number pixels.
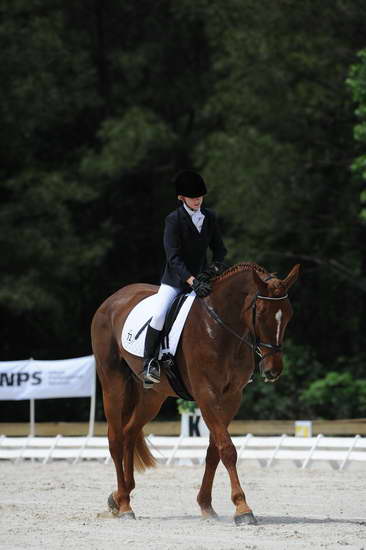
[{"x": 186, "y": 248}]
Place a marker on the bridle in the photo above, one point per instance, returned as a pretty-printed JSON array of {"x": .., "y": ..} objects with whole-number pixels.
[
  {"x": 254, "y": 344},
  {"x": 257, "y": 344}
]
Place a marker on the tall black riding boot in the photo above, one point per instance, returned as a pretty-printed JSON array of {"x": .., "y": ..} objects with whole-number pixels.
[{"x": 151, "y": 353}]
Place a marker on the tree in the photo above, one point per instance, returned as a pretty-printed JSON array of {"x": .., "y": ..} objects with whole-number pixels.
[
  {"x": 100, "y": 108},
  {"x": 279, "y": 155}
]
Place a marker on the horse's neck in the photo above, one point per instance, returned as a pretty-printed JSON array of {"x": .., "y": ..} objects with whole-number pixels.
[{"x": 229, "y": 296}]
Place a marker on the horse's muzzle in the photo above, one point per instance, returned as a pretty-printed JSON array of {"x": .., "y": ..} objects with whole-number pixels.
[
  {"x": 271, "y": 368},
  {"x": 271, "y": 376}
]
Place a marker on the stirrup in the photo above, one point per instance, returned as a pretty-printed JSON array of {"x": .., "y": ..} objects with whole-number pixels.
[{"x": 152, "y": 373}]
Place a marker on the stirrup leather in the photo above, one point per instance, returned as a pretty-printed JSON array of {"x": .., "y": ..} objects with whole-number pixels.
[{"x": 152, "y": 372}]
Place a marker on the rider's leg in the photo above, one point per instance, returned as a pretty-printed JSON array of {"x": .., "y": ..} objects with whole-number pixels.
[
  {"x": 164, "y": 299},
  {"x": 151, "y": 353}
]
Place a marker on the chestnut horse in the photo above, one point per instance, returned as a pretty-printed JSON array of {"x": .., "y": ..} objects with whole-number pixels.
[{"x": 246, "y": 314}]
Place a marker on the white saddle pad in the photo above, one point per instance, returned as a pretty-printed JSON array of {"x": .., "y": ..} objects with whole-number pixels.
[{"x": 134, "y": 329}]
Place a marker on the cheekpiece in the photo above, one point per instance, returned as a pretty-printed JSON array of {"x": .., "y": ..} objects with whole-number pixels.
[{"x": 190, "y": 184}]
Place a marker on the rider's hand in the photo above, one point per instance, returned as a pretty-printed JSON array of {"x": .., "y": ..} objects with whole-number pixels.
[
  {"x": 201, "y": 288},
  {"x": 204, "y": 276},
  {"x": 218, "y": 268},
  {"x": 214, "y": 270}
]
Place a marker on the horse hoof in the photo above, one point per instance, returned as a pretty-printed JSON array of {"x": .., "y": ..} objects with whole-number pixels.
[
  {"x": 209, "y": 514},
  {"x": 126, "y": 515},
  {"x": 112, "y": 504},
  {"x": 115, "y": 511},
  {"x": 245, "y": 519}
]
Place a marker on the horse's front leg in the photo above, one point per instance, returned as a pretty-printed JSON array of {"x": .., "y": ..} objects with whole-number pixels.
[
  {"x": 215, "y": 412},
  {"x": 204, "y": 497}
]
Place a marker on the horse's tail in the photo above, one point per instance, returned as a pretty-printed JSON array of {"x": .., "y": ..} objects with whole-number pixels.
[
  {"x": 142, "y": 456},
  {"x": 108, "y": 361}
]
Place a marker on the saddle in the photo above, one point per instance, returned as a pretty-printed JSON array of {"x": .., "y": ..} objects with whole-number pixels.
[
  {"x": 134, "y": 331},
  {"x": 167, "y": 361},
  {"x": 171, "y": 317}
]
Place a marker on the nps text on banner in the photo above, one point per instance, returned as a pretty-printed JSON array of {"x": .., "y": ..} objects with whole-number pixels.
[{"x": 32, "y": 379}]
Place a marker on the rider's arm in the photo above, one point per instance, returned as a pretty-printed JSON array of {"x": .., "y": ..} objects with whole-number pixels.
[{"x": 173, "y": 249}]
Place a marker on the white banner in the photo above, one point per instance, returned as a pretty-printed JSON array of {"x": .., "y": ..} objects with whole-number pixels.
[{"x": 33, "y": 379}]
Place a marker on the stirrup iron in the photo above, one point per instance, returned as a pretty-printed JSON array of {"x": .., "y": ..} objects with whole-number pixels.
[{"x": 152, "y": 373}]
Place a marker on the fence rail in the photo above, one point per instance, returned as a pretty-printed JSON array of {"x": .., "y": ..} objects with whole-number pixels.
[{"x": 339, "y": 452}]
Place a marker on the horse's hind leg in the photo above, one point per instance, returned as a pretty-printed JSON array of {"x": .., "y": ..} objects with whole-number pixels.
[
  {"x": 204, "y": 497},
  {"x": 114, "y": 399},
  {"x": 119, "y": 501},
  {"x": 118, "y": 399},
  {"x": 134, "y": 444}
]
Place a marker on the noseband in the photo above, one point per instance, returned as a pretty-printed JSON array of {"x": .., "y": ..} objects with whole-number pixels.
[{"x": 255, "y": 344}]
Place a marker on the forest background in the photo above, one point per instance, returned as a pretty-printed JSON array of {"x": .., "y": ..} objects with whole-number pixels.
[{"x": 103, "y": 101}]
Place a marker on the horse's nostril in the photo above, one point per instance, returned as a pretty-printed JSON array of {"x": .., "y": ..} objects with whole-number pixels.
[{"x": 272, "y": 374}]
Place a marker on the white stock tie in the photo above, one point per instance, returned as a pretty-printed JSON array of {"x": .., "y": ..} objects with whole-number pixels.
[{"x": 197, "y": 219}]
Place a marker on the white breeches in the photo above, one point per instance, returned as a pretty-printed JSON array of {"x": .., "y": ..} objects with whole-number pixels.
[{"x": 164, "y": 299}]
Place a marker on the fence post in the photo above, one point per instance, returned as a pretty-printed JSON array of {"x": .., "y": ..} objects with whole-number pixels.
[
  {"x": 172, "y": 455},
  {"x": 282, "y": 438},
  {"x": 92, "y": 403},
  {"x": 32, "y": 418},
  {"x": 353, "y": 444},
  {"x": 308, "y": 458},
  {"x": 51, "y": 449},
  {"x": 243, "y": 445}
]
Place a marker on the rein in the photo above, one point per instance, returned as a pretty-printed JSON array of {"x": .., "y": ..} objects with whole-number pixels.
[{"x": 255, "y": 344}]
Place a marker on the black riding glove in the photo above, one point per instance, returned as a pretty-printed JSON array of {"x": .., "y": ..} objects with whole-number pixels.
[
  {"x": 214, "y": 270},
  {"x": 217, "y": 268},
  {"x": 201, "y": 288},
  {"x": 204, "y": 276}
]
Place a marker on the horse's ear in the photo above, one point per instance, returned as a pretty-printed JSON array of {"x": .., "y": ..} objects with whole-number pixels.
[
  {"x": 261, "y": 285},
  {"x": 291, "y": 277}
]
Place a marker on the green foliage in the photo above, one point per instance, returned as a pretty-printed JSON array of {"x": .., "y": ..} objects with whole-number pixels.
[
  {"x": 186, "y": 406},
  {"x": 129, "y": 144},
  {"x": 283, "y": 399},
  {"x": 357, "y": 82},
  {"x": 337, "y": 395},
  {"x": 278, "y": 99},
  {"x": 47, "y": 267},
  {"x": 95, "y": 120}
]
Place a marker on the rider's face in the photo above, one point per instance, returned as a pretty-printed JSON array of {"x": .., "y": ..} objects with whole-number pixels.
[{"x": 192, "y": 203}]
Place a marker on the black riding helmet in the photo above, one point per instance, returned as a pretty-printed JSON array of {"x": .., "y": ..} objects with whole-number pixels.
[{"x": 190, "y": 184}]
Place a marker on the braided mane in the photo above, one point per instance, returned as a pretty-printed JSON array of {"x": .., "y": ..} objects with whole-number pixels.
[{"x": 243, "y": 266}]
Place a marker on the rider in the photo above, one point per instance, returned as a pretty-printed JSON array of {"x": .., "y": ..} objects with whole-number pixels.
[{"x": 189, "y": 231}]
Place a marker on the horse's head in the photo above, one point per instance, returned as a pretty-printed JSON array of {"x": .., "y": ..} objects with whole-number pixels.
[{"x": 270, "y": 313}]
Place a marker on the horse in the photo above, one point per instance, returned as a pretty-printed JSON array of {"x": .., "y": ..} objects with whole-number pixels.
[{"x": 245, "y": 315}]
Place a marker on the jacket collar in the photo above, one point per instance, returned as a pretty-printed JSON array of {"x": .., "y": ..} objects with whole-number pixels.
[
  {"x": 190, "y": 211},
  {"x": 188, "y": 219}
]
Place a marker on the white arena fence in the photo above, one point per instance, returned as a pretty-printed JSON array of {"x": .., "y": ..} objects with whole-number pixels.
[{"x": 339, "y": 452}]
